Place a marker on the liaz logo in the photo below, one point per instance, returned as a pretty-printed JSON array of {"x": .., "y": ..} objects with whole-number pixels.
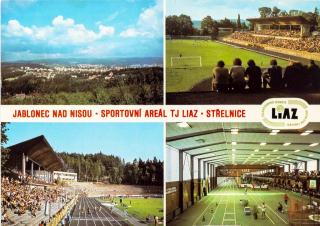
[
  {"x": 284, "y": 113},
  {"x": 280, "y": 112}
]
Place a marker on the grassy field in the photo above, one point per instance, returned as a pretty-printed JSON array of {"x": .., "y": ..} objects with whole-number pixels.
[
  {"x": 222, "y": 207},
  {"x": 140, "y": 208},
  {"x": 184, "y": 79}
]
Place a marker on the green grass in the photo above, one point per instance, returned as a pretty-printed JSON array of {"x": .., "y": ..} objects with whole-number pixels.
[
  {"x": 140, "y": 208},
  {"x": 211, "y": 52},
  {"x": 222, "y": 207}
]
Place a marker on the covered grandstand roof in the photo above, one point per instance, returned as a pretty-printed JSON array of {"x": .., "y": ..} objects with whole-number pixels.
[
  {"x": 39, "y": 150},
  {"x": 245, "y": 143},
  {"x": 284, "y": 20}
]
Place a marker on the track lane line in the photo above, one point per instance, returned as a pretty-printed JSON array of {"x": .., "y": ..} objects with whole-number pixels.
[
  {"x": 110, "y": 216},
  {"x": 198, "y": 218}
]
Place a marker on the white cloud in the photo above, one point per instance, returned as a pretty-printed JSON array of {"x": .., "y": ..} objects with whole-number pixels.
[
  {"x": 64, "y": 31},
  {"x": 16, "y": 29},
  {"x": 149, "y": 23},
  {"x": 133, "y": 32},
  {"x": 97, "y": 50},
  {"x": 105, "y": 30},
  {"x": 60, "y": 21}
]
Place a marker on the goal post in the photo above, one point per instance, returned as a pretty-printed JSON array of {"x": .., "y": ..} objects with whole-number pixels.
[{"x": 185, "y": 62}]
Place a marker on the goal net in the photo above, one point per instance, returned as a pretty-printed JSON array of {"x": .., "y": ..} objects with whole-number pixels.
[{"x": 186, "y": 62}]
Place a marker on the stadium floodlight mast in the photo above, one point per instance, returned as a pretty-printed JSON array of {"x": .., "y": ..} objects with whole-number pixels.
[{"x": 186, "y": 62}]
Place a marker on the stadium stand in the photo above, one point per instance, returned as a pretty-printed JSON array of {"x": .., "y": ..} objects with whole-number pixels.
[
  {"x": 28, "y": 196},
  {"x": 304, "y": 44}
]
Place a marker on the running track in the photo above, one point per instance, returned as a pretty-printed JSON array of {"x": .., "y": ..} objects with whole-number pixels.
[{"x": 105, "y": 217}]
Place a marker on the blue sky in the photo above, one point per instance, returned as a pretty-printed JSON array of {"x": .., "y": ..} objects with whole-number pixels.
[
  {"x": 37, "y": 29},
  {"x": 219, "y": 9},
  {"x": 126, "y": 140}
]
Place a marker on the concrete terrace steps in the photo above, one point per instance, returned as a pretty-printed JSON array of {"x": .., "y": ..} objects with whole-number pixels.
[{"x": 27, "y": 218}]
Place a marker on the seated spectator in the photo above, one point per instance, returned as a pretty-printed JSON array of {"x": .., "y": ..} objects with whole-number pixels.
[
  {"x": 220, "y": 81},
  {"x": 254, "y": 74},
  {"x": 314, "y": 72},
  {"x": 237, "y": 73},
  {"x": 292, "y": 78},
  {"x": 273, "y": 76}
]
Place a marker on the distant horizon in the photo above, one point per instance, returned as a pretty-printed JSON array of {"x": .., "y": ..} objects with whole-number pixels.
[{"x": 84, "y": 58}]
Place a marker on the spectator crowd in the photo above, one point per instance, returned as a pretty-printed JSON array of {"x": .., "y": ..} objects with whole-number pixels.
[
  {"x": 310, "y": 44},
  {"x": 20, "y": 198},
  {"x": 277, "y": 32},
  {"x": 295, "y": 77},
  {"x": 295, "y": 181}
]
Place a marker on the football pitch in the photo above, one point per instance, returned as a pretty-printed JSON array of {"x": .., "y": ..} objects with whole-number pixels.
[
  {"x": 223, "y": 207},
  {"x": 181, "y": 78}
]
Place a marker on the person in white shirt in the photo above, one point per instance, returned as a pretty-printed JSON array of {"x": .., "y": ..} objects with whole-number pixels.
[{"x": 237, "y": 74}]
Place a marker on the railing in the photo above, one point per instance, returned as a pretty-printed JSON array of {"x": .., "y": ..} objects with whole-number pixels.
[{"x": 62, "y": 212}]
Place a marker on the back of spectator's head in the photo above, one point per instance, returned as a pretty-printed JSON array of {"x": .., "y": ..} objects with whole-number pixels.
[
  {"x": 220, "y": 63},
  {"x": 251, "y": 63},
  {"x": 237, "y": 61},
  {"x": 312, "y": 62},
  {"x": 273, "y": 62}
]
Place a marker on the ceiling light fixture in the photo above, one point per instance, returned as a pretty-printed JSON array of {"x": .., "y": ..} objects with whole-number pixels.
[
  {"x": 263, "y": 143},
  {"x": 286, "y": 144}
]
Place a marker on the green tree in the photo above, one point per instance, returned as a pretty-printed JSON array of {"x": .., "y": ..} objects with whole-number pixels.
[
  {"x": 265, "y": 12},
  {"x": 316, "y": 12},
  {"x": 226, "y": 23},
  {"x": 283, "y": 13},
  {"x": 4, "y": 139},
  {"x": 172, "y": 25},
  {"x": 275, "y": 11},
  {"x": 207, "y": 26},
  {"x": 186, "y": 26},
  {"x": 239, "y": 22},
  {"x": 294, "y": 12}
]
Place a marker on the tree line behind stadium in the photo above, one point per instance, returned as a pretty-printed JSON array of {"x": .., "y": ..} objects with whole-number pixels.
[
  {"x": 101, "y": 167},
  {"x": 183, "y": 25}
]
